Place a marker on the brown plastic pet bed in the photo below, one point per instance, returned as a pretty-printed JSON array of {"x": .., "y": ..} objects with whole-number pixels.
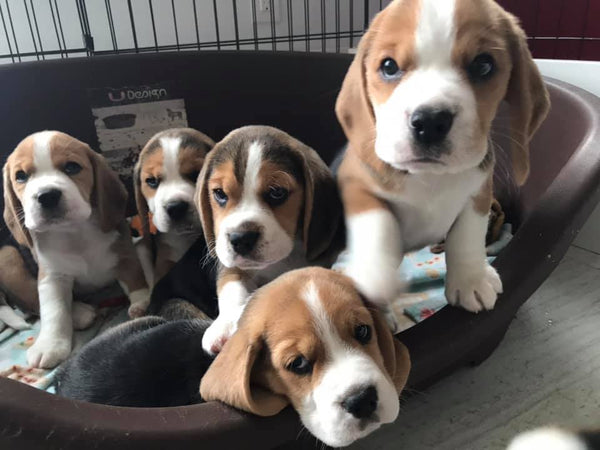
[{"x": 295, "y": 92}]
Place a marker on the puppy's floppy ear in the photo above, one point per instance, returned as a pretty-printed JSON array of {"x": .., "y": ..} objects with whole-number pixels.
[
  {"x": 140, "y": 201},
  {"x": 202, "y": 202},
  {"x": 396, "y": 358},
  {"x": 13, "y": 210},
  {"x": 109, "y": 196},
  {"x": 229, "y": 378},
  {"x": 353, "y": 107},
  {"x": 527, "y": 97},
  {"x": 322, "y": 205}
]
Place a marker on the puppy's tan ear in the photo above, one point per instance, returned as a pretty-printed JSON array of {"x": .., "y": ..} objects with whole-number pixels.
[
  {"x": 109, "y": 196},
  {"x": 322, "y": 206},
  {"x": 353, "y": 107},
  {"x": 396, "y": 358},
  {"x": 13, "y": 211},
  {"x": 527, "y": 97},
  {"x": 202, "y": 202},
  {"x": 229, "y": 378},
  {"x": 140, "y": 201}
]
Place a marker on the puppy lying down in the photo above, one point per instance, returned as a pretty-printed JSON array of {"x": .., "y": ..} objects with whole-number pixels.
[
  {"x": 147, "y": 362},
  {"x": 330, "y": 356}
]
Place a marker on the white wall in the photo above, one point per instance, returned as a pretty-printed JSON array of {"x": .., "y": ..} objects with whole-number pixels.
[{"x": 165, "y": 29}]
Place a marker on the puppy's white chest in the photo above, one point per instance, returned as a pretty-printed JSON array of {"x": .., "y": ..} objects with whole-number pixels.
[
  {"x": 429, "y": 205},
  {"x": 83, "y": 252}
]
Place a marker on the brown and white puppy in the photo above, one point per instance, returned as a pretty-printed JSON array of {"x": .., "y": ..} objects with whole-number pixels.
[
  {"x": 330, "y": 355},
  {"x": 417, "y": 106},
  {"x": 268, "y": 204},
  {"x": 63, "y": 201},
  {"x": 165, "y": 181}
]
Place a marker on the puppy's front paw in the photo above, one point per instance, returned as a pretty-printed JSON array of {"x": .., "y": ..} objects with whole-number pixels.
[
  {"x": 379, "y": 283},
  {"x": 47, "y": 353},
  {"x": 474, "y": 290},
  {"x": 139, "y": 300},
  {"x": 391, "y": 319},
  {"x": 217, "y": 334},
  {"x": 83, "y": 315}
]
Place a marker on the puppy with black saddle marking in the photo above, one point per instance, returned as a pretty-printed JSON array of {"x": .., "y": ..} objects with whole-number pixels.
[
  {"x": 147, "y": 362},
  {"x": 164, "y": 181},
  {"x": 417, "y": 106},
  {"x": 268, "y": 204},
  {"x": 331, "y": 356},
  {"x": 63, "y": 201}
]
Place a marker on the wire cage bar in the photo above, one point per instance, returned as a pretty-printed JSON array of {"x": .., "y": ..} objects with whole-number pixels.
[{"x": 47, "y": 29}]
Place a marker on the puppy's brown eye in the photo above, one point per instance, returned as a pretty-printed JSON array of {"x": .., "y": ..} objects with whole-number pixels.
[
  {"x": 220, "y": 197},
  {"x": 300, "y": 366},
  {"x": 71, "y": 168},
  {"x": 21, "y": 176},
  {"x": 276, "y": 196},
  {"x": 389, "y": 69},
  {"x": 482, "y": 68},
  {"x": 192, "y": 176},
  {"x": 153, "y": 182},
  {"x": 362, "y": 333}
]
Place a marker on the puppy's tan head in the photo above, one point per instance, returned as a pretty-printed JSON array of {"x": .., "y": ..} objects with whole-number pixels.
[
  {"x": 308, "y": 339},
  {"x": 427, "y": 80},
  {"x": 259, "y": 192},
  {"x": 165, "y": 179},
  {"x": 53, "y": 181}
]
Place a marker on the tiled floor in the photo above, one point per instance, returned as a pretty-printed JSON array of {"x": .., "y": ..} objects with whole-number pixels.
[{"x": 547, "y": 370}]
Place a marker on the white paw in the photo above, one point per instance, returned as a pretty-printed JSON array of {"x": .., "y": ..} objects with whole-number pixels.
[
  {"x": 47, "y": 353},
  {"x": 139, "y": 300},
  {"x": 83, "y": 315},
  {"x": 379, "y": 283},
  {"x": 474, "y": 290},
  {"x": 391, "y": 319},
  {"x": 217, "y": 334}
]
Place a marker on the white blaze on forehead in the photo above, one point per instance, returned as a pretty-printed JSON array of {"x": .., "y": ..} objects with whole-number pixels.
[
  {"x": 253, "y": 164},
  {"x": 170, "y": 146},
  {"x": 435, "y": 33},
  {"x": 322, "y": 322},
  {"x": 41, "y": 151}
]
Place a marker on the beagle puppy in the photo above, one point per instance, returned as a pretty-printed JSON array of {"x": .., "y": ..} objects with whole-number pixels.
[
  {"x": 165, "y": 180},
  {"x": 417, "y": 106},
  {"x": 130, "y": 365},
  {"x": 63, "y": 201},
  {"x": 330, "y": 355},
  {"x": 268, "y": 204}
]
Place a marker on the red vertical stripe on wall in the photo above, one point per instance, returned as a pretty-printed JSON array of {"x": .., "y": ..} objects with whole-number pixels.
[
  {"x": 560, "y": 29},
  {"x": 592, "y": 29}
]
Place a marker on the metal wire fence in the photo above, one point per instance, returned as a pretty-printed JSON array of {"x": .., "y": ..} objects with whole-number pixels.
[{"x": 47, "y": 29}]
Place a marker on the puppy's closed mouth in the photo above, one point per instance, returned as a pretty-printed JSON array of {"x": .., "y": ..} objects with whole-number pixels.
[
  {"x": 423, "y": 161},
  {"x": 250, "y": 264}
]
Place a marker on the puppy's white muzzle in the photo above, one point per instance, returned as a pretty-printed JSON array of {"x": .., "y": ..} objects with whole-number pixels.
[
  {"x": 353, "y": 399},
  {"x": 53, "y": 201}
]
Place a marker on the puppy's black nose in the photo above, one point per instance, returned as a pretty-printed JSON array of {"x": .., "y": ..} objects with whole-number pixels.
[
  {"x": 177, "y": 209},
  {"x": 49, "y": 199},
  {"x": 431, "y": 126},
  {"x": 362, "y": 403},
  {"x": 243, "y": 242}
]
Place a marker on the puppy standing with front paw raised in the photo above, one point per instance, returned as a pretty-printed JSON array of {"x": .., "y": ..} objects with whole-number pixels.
[
  {"x": 165, "y": 180},
  {"x": 417, "y": 106},
  {"x": 268, "y": 204},
  {"x": 62, "y": 200}
]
